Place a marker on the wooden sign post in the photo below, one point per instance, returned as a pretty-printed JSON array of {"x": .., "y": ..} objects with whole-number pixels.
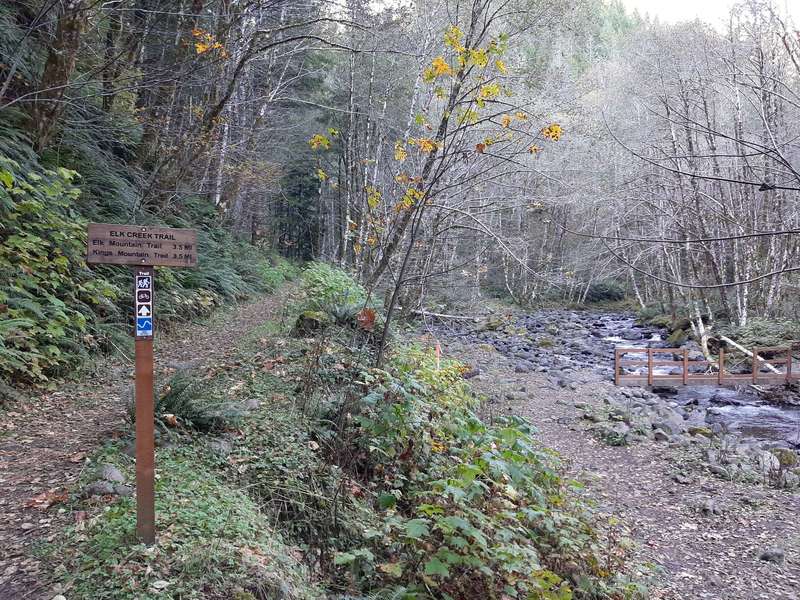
[{"x": 144, "y": 247}]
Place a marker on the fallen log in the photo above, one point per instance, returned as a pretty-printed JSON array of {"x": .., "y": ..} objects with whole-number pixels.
[
  {"x": 425, "y": 313},
  {"x": 728, "y": 340}
]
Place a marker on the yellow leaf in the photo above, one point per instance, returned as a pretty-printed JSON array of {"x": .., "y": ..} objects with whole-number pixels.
[
  {"x": 411, "y": 197},
  {"x": 534, "y": 149},
  {"x": 453, "y": 37},
  {"x": 505, "y": 121},
  {"x": 468, "y": 116},
  {"x": 400, "y": 152},
  {"x": 478, "y": 57},
  {"x": 356, "y": 247},
  {"x": 501, "y": 66},
  {"x": 319, "y": 141},
  {"x": 425, "y": 145},
  {"x": 489, "y": 91},
  {"x": 373, "y": 197},
  {"x": 321, "y": 175},
  {"x": 440, "y": 67},
  {"x": 521, "y": 116},
  {"x": 553, "y": 132}
]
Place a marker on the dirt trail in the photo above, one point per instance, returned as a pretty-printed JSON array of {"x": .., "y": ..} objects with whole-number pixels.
[
  {"x": 44, "y": 442},
  {"x": 702, "y": 554}
]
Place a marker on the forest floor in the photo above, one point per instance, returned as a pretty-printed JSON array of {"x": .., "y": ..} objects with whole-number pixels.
[
  {"x": 698, "y": 554},
  {"x": 45, "y": 442}
]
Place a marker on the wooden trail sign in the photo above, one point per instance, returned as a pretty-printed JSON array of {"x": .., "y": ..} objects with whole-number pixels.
[
  {"x": 145, "y": 247},
  {"x": 140, "y": 245}
]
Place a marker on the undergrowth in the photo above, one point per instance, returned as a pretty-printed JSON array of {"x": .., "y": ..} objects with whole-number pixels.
[
  {"x": 213, "y": 541},
  {"x": 383, "y": 483}
]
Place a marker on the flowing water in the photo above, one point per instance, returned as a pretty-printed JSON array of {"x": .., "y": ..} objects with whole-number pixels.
[
  {"x": 737, "y": 409},
  {"x": 558, "y": 342}
]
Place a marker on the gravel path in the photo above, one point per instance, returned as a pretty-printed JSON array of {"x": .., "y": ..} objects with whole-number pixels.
[
  {"x": 46, "y": 440},
  {"x": 704, "y": 534}
]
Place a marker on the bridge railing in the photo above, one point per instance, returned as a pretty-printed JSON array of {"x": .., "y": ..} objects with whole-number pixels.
[{"x": 685, "y": 377}]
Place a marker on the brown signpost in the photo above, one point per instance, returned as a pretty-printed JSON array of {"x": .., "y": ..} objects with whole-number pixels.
[{"x": 145, "y": 247}]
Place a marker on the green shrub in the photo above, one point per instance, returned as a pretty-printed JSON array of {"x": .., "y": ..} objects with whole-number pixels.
[
  {"x": 194, "y": 403},
  {"x": 325, "y": 286},
  {"x": 48, "y": 298},
  {"x": 605, "y": 291},
  {"x": 763, "y": 332},
  {"x": 469, "y": 509},
  {"x": 213, "y": 542}
]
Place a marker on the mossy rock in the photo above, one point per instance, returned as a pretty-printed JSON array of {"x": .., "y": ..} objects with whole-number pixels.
[
  {"x": 677, "y": 338},
  {"x": 786, "y": 458},
  {"x": 545, "y": 342},
  {"x": 310, "y": 321},
  {"x": 493, "y": 324},
  {"x": 664, "y": 321},
  {"x": 681, "y": 323},
  {"x": 704, "y": 431}
]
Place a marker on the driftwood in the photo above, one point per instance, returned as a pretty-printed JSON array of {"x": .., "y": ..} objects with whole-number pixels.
[
  {"x": 728, "y": 340},
  {"x": 425, "y": 313}
]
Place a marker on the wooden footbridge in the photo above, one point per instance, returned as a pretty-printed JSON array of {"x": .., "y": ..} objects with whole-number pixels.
[{"x": 713, "y": 372}]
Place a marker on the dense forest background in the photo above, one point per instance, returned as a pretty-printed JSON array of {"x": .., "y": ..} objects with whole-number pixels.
[{"x": 547, "y": 151}]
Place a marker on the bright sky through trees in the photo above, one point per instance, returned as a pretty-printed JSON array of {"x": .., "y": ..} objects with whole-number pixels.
[{"x": 712, "y": 11}]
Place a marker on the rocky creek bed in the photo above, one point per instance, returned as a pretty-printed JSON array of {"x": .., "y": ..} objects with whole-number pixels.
[
  {"x": 710, "y": 497},
  {"x": 757, "y": 438}
]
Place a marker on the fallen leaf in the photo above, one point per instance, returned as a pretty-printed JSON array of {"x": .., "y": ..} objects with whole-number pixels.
[{"x": 46, "y": 499}]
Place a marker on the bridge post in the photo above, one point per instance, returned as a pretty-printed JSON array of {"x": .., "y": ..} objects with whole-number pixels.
[
  {"x": 616, "y": 366},
  {"x": 649, "y": 366},
  {"x": 720, "y": 365},
  {"x": 755, "y": 364},
  {"x": 685, "y": 365},
  {"x": 789, "y": 363}
]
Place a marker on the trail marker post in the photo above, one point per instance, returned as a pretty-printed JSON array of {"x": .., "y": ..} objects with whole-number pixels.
[{"x": 145, "y": 248}]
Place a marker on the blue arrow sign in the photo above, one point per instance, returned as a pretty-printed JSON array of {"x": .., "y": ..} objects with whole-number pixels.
[{"x": 144, "y": 326}]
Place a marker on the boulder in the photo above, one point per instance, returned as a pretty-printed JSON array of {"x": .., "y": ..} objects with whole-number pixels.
[
  {"x": 773, "y": 555},
  {"x": 631, "y": 334},
  {"x": 125, "y": 491},
  {"x": 704, "y": 431},
  {"x": 669, "y": 424},
  {"x": 99, "y": 488},
  {"x": 660, "y": 436},
  {"x": 310, "y": 321},
  {"x": 111, "y": 473}
]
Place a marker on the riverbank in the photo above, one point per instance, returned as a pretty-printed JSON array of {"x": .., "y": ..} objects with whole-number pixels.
[{"x": 706, "y": 536}]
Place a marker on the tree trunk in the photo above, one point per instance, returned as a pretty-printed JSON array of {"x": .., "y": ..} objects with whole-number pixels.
[{"x": 48, "y": 103}]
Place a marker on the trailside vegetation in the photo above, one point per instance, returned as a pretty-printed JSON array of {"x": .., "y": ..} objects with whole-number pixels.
[
  {"x": 375, "y": 483},
  {"x": 56, "y": 310}
]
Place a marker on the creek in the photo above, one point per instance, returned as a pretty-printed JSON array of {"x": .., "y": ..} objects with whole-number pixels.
[{"x": 565, "y": 344}]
